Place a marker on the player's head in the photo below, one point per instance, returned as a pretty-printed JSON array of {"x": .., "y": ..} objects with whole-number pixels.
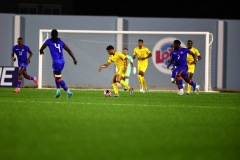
[
  {"x": 189, "y": 44},
  {"x": 140, "y": 43},
  {"x": 20, "y": 41},
  {"x": 125, "y": 51},
  {"x": 110, "y": 50},
  {"x": 176, "y": 44},
  {"x": 54, "y": 35}
]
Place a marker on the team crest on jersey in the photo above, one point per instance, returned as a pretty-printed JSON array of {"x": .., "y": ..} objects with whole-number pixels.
[{"x": 161, "y": 52}]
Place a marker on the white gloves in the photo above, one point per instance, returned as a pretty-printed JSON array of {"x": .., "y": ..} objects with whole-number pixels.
[{"x": 134, "y": 70}]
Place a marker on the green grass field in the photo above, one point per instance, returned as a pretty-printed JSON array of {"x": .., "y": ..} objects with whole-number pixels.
[{"x": 155, "y": 125}]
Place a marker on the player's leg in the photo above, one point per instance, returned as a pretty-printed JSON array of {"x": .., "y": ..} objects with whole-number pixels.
[
  {"x": 126, "y": 77},
  {"x": 119, "y": 78},
  {"x": 179, "y": 82},
  {"x": 20, "y": 74},
  {"x": 26, "y": 76},
  {"x": 115, "y": 86},
  {"x": 191, "y": 69},
  {"x": 194, "y": 85},
  {"x": 57, "y": 68},
  {"x": 142, "y": 72}
]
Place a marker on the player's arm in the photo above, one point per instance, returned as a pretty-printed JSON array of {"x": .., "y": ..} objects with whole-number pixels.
[
  {"x": 194, "y": 57},
  {"x": 30, "y": 55},
  {"x": 199, "y": 58},
  {"x": 170, "y": 62},
  {"x": 133, "y": 66},
  {"x": 103, "y": 66},
  {"x": 149, "y": 55},
  {"x": 70, "y": 53},
  {"x": 42, "y": 49},
  {"x": 134, "y": 54},
  {"x": 125, "y": 64},
  {"x": 13, "y": 58}
]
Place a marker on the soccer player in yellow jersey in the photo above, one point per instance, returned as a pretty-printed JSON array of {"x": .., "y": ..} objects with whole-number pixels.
[
  {"x": 121, "y": 61},
  {"x": 142, "y": 53},
  {"x": 191, "y": 63}
]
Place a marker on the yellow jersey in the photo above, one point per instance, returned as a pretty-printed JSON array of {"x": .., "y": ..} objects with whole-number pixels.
[
  {"x": 190, "y": 58},
  {"x": 117, "y": 59},
  {"x": 141, "y": 53}
]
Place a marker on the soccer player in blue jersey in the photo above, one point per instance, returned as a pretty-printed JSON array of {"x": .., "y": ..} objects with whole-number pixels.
[
  {"x": 179, "y": 58},
  {"x": 21, "y": 52},
  {"x": 56, "y": 46},
  {"x": 130, "y": 66}
]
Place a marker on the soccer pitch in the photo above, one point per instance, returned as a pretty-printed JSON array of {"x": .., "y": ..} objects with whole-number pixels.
[{"x": 157, "y": 125}]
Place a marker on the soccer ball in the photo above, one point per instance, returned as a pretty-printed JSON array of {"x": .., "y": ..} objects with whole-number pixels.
[{"x": 107, "y": 93}]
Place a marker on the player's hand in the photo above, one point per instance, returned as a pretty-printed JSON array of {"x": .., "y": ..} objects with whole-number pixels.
[
  {"x": 134, "y": 70},
  {"x": 14, "y": 59},
  {"x": 41, "y": 53},
  {"x": 75, "y": 61},
  {"x": 173, "y": 68},
  {"x": 28, "y": 61},
  {"x": 100, "y": 68}
]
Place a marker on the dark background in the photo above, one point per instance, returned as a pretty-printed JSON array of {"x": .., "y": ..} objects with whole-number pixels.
[{"x": 222, "y": 9}]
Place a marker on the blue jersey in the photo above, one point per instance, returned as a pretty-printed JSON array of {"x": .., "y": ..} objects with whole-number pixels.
[
  {"x": 21, "y": 52},
  {"x": 56, "y": 49},
  {"x": 180, "y": 57}
]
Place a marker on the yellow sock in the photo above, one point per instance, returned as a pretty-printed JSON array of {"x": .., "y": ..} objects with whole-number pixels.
[
  {"x": 189, "y": 87},
  {"x": 115, "y": 88},
  {"x": 122, "y": 82},
  {"x": 140, "y": 81},
  {"x": 144, "y": 83}
]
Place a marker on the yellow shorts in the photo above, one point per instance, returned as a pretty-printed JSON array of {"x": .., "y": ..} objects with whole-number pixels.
[
  {"x": 120, "y": 72},
  {"x": 191, "y": 68},
  {"x": 142, "y": 68}
]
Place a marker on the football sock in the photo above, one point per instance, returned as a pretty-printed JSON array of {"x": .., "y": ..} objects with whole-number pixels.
[
  {"x": 144, "y": 83},
  {"x": 63, "y": 84},
  {"x": 140, "y": 81},
  {"x": 57, "y": 84},
  {"x": 192, "y": 83},
  {"x": 127, "y": 80},
  {"x": 115, "y": 88},
  {"x": 122, "y": 82},
  {"x": 180, "y": 82},
  {"x": 189, "y": 88},
  {"x": 31, "y": 78},
  {"x": 19, "y": 83}
]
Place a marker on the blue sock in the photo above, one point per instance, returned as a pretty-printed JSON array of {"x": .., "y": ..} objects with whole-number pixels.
[
  {"x": 57, "y": 84},
  {"x": 63, "y": 85},
  {"x": 192, "y": 83},
  {"x": 19, "y": 83},
  {"x": 180, "y": 82}
]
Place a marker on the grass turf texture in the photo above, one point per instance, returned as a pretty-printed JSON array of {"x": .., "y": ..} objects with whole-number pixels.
[{"x": 145, "y": 126}]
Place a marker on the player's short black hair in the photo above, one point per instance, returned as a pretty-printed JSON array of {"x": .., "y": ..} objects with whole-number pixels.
[
  {"x": 140, "y": 40},
  {"x": 109, "y": 47},
  {"x": 54, "y": 33},
  {"x": 189, "y": 41},
  {"x": 125, "y": 48},
  {"x": 177, "y": 42},
  {"x": 20, "y": 38}
]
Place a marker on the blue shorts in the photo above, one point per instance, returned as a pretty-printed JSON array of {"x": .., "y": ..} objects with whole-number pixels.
[
  {"x": 58, "y": 65},
  {"x": 184, "y": 71},
  {"x": 22, "y": 64}
]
